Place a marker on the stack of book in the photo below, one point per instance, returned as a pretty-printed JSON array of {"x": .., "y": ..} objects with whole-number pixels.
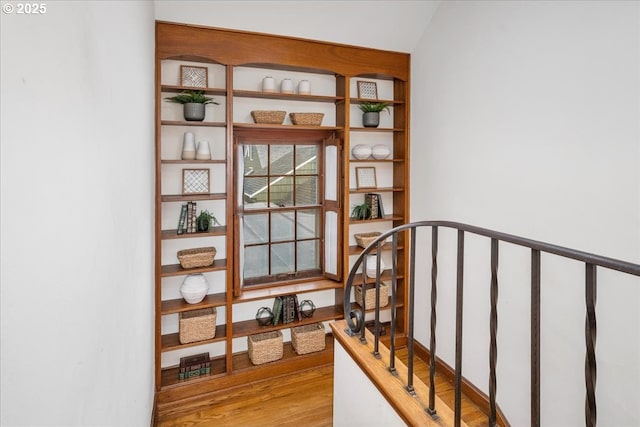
[
  {"x": 286, "y": 309},
  {"x": 187, "y": 221},
  {"x": 194, "y": 366},
  {"x": 374, "y": 200}
]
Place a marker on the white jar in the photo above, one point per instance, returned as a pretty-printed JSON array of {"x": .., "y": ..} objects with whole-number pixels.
[
  {"x": 286, "y": 86},
  {"x": 188, "y": 146},
  {"x": 304, "y": 87},
  {"x": 361, "y": 152},
  {"x": 268, "y": 84},
  {"x": 380, "y": 152},
  {"x": 194, "y": 288},
  {"x": 203, "y": 153},
  {"x": 370, "y": 268}
]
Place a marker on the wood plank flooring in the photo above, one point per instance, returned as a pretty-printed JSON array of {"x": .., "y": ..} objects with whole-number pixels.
[{"x": 300, "y": 399}]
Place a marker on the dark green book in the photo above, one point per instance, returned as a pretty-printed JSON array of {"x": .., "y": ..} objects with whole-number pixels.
[
  {"x": 182, "y": 220},
  {"x": 277, "y": 310}
]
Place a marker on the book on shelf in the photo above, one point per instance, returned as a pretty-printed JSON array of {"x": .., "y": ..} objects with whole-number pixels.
[
  {"x": 191, "y": 217},
  {"x": 380, "y": 206},
  {"x": 371, "y": 199},
  {"x": 183, "y": 219},
  {"x": 289, "y": 313},
  {"x": 277, "y": 310},
  {"x": 297, "y": 308}
]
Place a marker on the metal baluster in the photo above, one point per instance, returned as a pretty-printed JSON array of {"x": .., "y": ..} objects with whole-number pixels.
[
  {"x": 459, "y": 289},
  {"x": 363, "y": 339},
  {"x": 535, "y": 338},
  {"x": 590, "y": 337},
  {"x": 412, "y": 276},
  {"x": 394, "y": 279},
  {"x": 376, "y": 345},
  {"x": 493, "y": 326},
  {"x": 431, "y": 410}
]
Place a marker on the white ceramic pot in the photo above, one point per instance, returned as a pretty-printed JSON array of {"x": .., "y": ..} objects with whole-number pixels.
[
  {"x": 268, "y": 84},
  {"x": 304, "y": 87},
  {"x": 194, "y": 288},
  {"x": 370, "y": 268},
  {"x": 286, "y": 86},
  {"x": 361, "y": 152},
  {"x": 188, "y": 146},
  {"x": 380, "y": 152},
  {"x": 203, "y": 153}
]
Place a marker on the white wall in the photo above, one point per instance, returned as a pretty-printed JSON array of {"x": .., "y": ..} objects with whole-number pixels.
[
  {"x": 526, "y": 120},
  {"x": 77, "y": 215}
]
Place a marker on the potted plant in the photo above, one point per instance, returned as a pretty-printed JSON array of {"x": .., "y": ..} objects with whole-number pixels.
[
  {"x": 362, "y": 211},
  {"x": 371, "y": 113},
  {"x": 194, "y": 102},
  {"x": 205, "y": 220}
]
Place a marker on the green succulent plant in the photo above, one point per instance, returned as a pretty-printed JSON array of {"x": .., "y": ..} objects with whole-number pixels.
[
  {"x": 374, "y": 107},
  {"x": 205, "y": 220},
  {"x": 362, "y": 211},
  {"x": 191, "y": 97}
]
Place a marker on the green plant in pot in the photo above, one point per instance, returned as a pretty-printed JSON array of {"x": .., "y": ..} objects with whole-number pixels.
[
  {"x": 362, "y": 211},
  {"x": 371, "y": 113},
  {"x": 194, "y": 102},
  {"x": 205, "y": 220}
]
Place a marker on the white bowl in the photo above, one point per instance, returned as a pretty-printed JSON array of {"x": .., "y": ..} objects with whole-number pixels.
[
  {"x": 361, "y": 151},
  {"x": 380, "y": 152},
  {"x": 194, "y": 288}
]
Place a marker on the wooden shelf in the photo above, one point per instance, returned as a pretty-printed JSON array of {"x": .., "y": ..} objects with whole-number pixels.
[
  {"x": 363, "y": 100},
  {"x": 177, "y": 270},
  {"x": 375, "y": 190},
  {"x": 171, "y": 342},
  {"x": 323, "y": 314},
  {"x": 287, "y": 289},
  {"x": 241, "y": 361},
  {"x": 357, "y": 250},
  {"x": 170, "y": 375},
  {"x": 283, "y": 127},
  {"x": 363, "y": 129},
  {"x": 385, "y": 276},
  {"x": 191, "y": 123},
  {"x": 174, "y": 306},
  {"x": 193, "y": 197},
  {"x": 206, "y": 90},
  {"x": 385, "y": 218},
  {"x": 214, "y": 231},
  {"x": 286, "y": 96},
  {"x": 212, "y": 161},
  {"x": 376, "y": 160}
]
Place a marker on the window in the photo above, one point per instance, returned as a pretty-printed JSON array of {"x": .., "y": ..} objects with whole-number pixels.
[
  {"x": 281, "y": 211},
  {"x": 288, "y": 209}
]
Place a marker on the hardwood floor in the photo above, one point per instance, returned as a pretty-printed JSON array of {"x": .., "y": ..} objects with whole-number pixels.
[{"x": 300, "y": 399}]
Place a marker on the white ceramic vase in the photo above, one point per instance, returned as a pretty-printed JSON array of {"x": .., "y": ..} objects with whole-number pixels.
[
  {"x": 286, "y": 86},
  {"x": 203, "y": 153},
  {"x": 380, "y": 152},
  {"x": 304, "y": 87},
  {"x": 370, "y": 268},
  {"x": 188, "y": 146},
  {"x": 268, "y": 84},
  {"x": 361, "y": 152},
  {"x": 194, "y": 288}
]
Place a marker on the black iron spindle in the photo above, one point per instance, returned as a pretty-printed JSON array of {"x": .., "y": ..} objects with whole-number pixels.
[
  {"x": 459, "y": 288},
  {"x": 431, "y": 410},
  {"x": 412, "y": 287},
  {"x": 493, "y": 327},
  {"x": 376, "y": 323},
  {"x": 363, "y": 338},
  {"x": 590, "y": 337},
  {"x": 394, "y": 283},
  {"x": 535, "y": 338}
]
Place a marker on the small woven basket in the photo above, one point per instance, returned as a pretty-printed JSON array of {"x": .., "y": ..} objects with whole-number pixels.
[
  {"x": 308, "y": 338},
  {"x": 308, "y": 119},
  {"x": 197, "y": 257},
  {"x": 197, "y": 325},
  {"x": 370, "y": 298},
  {"x": 265, "y": 347},
  {"x": 364, "y": 239},
  {"x": 268, "y": 117}
]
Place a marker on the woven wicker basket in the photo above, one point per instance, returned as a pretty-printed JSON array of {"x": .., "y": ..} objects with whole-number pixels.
[
  {"x": 306, "y": 119},
  {"x": 308, "y": 338},
  {"x": 268, "y": 117},
  {"x": 197, "y": 325},
  {"x": 370, "y": 298},
  {"x": 197, "y": 257},
  {"x": 364, "y": 239},
  {"x": 265, "y": 347}
]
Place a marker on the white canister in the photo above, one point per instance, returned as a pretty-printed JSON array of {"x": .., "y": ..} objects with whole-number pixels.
[
  {"x": 286, "y": 86},
  {"x": 370, "y": 268},
  {"x": 189, "y": 146},
  {"x": 304, "y": 87},
  {"x": 203, "y": 153},
  {"x": 194, "y": 288},
  {"x": 268, "y": 84}
]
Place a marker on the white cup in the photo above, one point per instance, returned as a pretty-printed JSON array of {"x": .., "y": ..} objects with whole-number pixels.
[
  {"x": 188, "y": 146},
  {"x": 204, "y": 153}
]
